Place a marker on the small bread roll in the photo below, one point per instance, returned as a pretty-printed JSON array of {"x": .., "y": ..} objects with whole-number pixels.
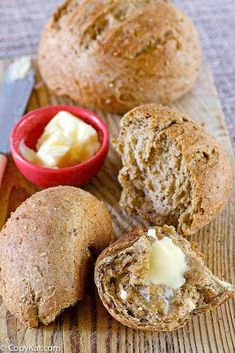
[
  {"x": 45, "y": 251},
  {"x": 115, "y": 55},
  {"x": 173, "y": 171},
  {"x": 121, "y": 276}
]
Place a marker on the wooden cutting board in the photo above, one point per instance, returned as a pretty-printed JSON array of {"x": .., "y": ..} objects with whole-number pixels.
[{"x": 88, "y": 327}]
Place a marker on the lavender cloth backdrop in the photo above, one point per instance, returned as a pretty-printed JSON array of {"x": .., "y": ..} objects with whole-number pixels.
[{"x": 21, "y": 22}]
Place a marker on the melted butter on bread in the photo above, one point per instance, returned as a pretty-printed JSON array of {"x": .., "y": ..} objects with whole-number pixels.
[{"x": 167, "y": 263}]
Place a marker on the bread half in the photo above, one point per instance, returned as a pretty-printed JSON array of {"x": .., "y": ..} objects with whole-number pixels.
[
  {"x": 120, "y": 276},
  {"x": 173, "y": 171}
]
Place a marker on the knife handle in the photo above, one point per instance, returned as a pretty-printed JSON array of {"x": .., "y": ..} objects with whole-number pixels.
[{"x": 3, "y": 164}]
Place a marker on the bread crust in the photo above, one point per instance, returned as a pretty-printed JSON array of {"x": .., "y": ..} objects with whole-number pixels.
[
  {"x": 207, "y": 165},
  {"x": 224, "y": 290},
  {"x": 46, "y": 249},
  {"x": 106, "y": 55}
]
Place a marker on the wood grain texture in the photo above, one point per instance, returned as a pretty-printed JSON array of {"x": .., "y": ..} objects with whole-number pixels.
[{"x": 87, "y": 327}]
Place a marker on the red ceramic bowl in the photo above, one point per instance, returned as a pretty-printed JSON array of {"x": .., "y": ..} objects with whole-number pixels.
[{"x": 29, "y": 128}]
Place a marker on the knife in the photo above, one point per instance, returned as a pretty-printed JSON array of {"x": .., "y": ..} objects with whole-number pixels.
[{"x": 15, "y": 92}]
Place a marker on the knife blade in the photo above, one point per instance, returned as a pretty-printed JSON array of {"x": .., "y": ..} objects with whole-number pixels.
[{"x": 14, "y": 96}]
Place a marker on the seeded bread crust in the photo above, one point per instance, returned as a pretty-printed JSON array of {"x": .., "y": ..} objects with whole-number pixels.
[
  {"x": 115, "y": 55},
  {"x": 193, "y": 162},
  {"x": 46, "y": 249},
  {"x": 211, "y": 292}
]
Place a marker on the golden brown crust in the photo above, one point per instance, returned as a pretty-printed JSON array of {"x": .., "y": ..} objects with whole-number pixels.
[
  {"x": 106, "y": 55},
  {"x": 201, "y": 278},
  {"x": 46, "y": 248},
  {"x": 207, "y": 166}
]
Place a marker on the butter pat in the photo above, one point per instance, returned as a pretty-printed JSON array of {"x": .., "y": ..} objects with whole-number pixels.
[
  {"x": 53, "y": 149},
  {"x": 123, "y": 294},
  {"x": 167, "y": 264},
  {"x": 20, "y": 68},
  {"x": 28, "y": 153},
  {"x": 152, "y": 233},
  {"x": 66, "y": 140}
]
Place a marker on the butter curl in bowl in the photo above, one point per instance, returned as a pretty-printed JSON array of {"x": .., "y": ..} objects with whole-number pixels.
[
  {"x": 59, "y": 145},
  {"x": 67, "y": 140}
]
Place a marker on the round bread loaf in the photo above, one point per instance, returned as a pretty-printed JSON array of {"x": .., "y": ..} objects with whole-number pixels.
[
  {"x": 173, "y": 171},
  {"x": 115, "y": 55},
  {"x": 46, "y": 248},
  {"x": 120, "y": 276}
]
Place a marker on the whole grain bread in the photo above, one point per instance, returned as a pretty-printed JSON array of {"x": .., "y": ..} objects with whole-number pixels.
[
  {"x": 173, "y": 171},
  {"x": 115, "y": 55},
  {"x": 46, "y": 248},
  {"x": 124, "y": 266}
]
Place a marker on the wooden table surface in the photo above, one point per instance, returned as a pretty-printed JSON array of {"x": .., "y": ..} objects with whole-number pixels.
[{"x": 88, "y": 327}]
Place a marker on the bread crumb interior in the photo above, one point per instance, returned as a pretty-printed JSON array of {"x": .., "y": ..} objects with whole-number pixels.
[
  {"x": 155, "y": 179},
  {"x": 125, "y": 284}
]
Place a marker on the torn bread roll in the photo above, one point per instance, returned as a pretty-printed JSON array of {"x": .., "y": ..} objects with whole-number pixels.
[
  {"x": 115, "y": 55},
  {"x": 46, "y": 249},
  {"x": 156, "y": 280},
  {"x": 173, "y": 171}
]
